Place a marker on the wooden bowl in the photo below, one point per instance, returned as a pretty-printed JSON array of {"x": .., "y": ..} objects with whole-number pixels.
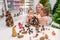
[
  {"x": 25, "y": 32},
  {"x": 20, "y": 36}
]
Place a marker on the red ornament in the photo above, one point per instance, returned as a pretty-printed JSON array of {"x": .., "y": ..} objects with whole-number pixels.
[{"x": 20, "y": 25}]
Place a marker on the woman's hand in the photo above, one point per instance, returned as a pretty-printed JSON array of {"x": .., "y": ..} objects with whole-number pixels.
[{"x": 43, "y": 20}]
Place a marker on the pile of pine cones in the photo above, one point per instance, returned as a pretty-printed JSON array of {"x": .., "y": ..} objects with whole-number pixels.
[{"x": 9, "y": 19}]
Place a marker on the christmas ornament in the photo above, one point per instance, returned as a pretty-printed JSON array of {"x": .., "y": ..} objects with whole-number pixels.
[{"x": 20, "y": 25}]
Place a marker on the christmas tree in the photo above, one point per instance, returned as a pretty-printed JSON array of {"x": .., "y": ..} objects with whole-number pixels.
[
  {"x": 45, "y": 3},
  {"x": 56, "y": 16},
  {"x": 55, "y": 6},
  {"x": 56, "y": 12}
]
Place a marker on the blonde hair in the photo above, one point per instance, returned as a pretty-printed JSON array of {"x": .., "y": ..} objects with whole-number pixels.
[
  {"x": 39, "y": 5},
  {"x": 46, "y": 10},
  {"x": 29, "y": 9}
]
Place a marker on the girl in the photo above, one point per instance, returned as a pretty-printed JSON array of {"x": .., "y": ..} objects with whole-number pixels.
[{"x": 30, "y": 14}]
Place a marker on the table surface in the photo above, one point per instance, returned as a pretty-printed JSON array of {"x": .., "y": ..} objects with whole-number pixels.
[{"x": 5, "y": 32}]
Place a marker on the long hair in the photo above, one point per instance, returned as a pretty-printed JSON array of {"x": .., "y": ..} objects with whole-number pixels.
[{"x": 46, "y": 10}]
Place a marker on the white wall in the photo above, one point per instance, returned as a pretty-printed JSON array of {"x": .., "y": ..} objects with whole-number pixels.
[
  {"x": 52, "y": 2},
  {"x": 0, "y": 8}
]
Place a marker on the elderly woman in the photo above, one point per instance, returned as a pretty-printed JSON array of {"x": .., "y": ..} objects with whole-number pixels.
[{"x": 38, "y": 10}]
